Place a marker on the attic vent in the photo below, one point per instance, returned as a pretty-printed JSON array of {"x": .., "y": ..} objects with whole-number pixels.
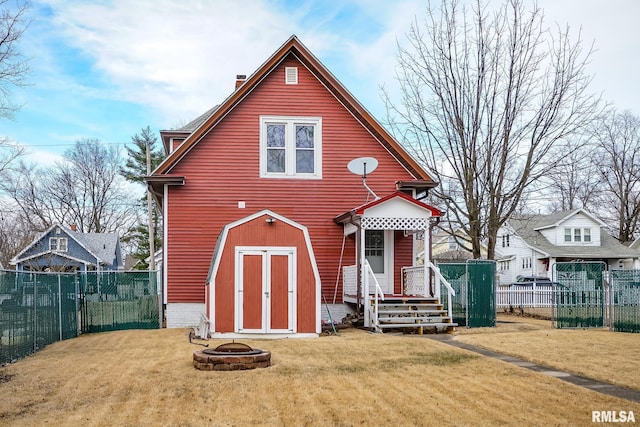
[{"x": 291, "y": 75}]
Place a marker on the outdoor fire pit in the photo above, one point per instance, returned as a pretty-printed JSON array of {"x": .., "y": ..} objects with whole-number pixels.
[{"x": 231, "y": 356}]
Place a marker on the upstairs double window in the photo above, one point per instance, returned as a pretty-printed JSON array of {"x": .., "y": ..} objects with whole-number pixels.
[
  {"x": 58, "y": 244},
  {"x": 577, "y": 235},
  {"x": 290, "y": 147}
]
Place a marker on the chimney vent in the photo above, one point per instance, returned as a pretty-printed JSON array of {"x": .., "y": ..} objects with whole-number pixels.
[
  {"x": 240, "y": 78},
  {"x": 74, "y": 227}
]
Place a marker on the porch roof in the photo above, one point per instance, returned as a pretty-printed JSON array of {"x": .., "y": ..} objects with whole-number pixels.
[{"x": 396, "y": 211}]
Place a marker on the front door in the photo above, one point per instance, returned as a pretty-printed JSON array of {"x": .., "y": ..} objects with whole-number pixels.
[
  {"x": 265, "y": 290},
  {"x": 379, "y": 253}
]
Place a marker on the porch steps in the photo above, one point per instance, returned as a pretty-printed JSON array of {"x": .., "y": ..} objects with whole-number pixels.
[{"x": 412, "y": 312}]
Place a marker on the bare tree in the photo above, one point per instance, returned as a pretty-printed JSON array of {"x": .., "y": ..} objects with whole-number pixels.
[
  {"x": 14, "y": 236},
  {"x": 85, "y": 189},
  {"x": 618, "y": 160},
  {"x": 574, "y": 181},
  {"x": 486, "y": 98},
  {"x": 13, "y": 65},
  {"x": 9, "y": 152}
]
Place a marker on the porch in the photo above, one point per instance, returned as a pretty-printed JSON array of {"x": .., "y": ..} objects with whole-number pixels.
[
  {"x": 420, "y": 305},
  {"x": 384, "y": 281}
]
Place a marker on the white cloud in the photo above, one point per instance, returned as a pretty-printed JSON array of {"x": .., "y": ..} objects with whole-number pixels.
[
  {"x": 613, "y": 28},
  {"x": 172, "y": 56},
  {"x": 42, "y": 158},
  {"x": 178, "y": 59}
]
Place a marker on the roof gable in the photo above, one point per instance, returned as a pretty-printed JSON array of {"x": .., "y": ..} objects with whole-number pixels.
[
  {"x": 292, "y": 47},
  {"x": 222, "y": 238},
  {"x": 555, "y": 220},
  {"x": 398, "y": 196},
  {"x": 528, "y": 228},
  {"x": 104, "y": 247}
]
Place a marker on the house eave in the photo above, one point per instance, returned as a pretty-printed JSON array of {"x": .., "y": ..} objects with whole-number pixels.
[{"x": 156, "y": 185}]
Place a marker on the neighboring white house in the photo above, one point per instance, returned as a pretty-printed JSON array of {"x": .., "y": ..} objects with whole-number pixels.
[
  {"x": 531, "y": 245},
  {"x": 448, "y": 247}
]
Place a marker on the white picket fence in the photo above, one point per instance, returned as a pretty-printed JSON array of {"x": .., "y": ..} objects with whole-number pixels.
[{"x": 524, "y": 296}]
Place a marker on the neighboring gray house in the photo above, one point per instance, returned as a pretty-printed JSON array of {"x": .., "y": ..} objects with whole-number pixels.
[
  {"x": 63, "y": 249},
  {"x": 531, "y": 245}
]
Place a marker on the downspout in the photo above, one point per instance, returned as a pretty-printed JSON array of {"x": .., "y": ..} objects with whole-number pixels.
[{"x": 352, "y": 221}]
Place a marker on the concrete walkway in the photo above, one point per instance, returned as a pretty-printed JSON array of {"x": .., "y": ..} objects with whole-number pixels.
[{"x": 591, "y": 384}]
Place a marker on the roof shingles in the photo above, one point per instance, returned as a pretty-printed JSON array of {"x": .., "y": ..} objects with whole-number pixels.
[{"x": 526, "y": 227}]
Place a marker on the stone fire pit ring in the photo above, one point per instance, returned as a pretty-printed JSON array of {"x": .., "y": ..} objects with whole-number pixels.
[{"x": 231, "y": 357}]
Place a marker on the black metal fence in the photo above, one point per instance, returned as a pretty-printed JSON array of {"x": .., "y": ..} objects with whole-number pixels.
[{"x": 37, "y": 309}]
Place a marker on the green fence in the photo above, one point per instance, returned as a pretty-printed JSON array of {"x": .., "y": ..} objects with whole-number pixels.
[
  {"x": 116, "y": 301},
  {"x": 474, "y": 304},
  {"x": 579, "y": 295},
  {"x": 625, "y": 300},
  {"x": 37, "y": 309}
]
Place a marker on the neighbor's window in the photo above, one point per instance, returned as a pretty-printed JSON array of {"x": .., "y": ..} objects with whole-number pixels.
[
  {"x": 567, "y": 234},
  {"x": 505, "y": 241},
  {"x": 577, "y": 235},
  {"x": 505, "y": 265},
  {"x": 587, "y": 234},
  {"x": 453, "y": 244},
  {"x": 58, "y": 244},
  {"x": 291, "y": 147}
]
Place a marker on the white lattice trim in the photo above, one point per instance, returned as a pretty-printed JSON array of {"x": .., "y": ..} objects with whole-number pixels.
[{"x": 369, "y": 223}]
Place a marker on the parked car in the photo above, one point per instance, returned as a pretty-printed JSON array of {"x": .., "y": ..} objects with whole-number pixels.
[{"x": 531, "y": 280}]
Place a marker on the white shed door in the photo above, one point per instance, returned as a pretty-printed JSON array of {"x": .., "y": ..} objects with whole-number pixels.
[{"x": 265, "y": 290}]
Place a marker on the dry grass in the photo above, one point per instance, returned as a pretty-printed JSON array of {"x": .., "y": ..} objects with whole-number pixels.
[
  {"x": 595, "y": 353},
  {"x": 132, "y": 378}
]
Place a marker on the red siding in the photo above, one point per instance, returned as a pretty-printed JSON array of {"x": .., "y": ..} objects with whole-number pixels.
[{"x": 223, "y": 169}]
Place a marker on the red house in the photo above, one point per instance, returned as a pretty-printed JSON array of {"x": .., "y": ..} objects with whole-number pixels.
[{"x": 266, "y": 230}]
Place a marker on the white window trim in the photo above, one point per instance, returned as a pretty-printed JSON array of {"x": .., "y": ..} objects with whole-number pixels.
[
  {"x": 58, "y": 243},
  {"x": 290, "y": 121},
  {"x": 291, "y": 75},
  {"x": 572, "y": 234}
]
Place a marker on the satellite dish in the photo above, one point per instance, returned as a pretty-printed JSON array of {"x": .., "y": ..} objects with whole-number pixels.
[{"x": 362, "y": 166}]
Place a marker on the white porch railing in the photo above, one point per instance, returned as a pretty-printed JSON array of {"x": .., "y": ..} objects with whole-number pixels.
[
  {"x": 440, "y": 280},
  {"x": 369, "y": 280},
  {"x": 350, "y": 280},
  {"x": 525, "y": 296},
  {"x": 414, "y": 284}
]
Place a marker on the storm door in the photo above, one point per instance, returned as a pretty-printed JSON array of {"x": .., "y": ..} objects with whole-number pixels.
[{"x": 378, "y": 251}]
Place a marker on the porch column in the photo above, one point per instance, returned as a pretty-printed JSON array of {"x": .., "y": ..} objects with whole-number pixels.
[{"x": 364, "y": 279}]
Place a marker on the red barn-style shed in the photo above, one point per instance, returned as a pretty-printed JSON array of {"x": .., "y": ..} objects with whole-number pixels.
[
  {"x": 282, "y": 142},
  {"x": 263, "y": 279}
]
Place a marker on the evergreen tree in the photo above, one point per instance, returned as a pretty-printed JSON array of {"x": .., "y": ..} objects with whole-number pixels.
[{"x": 135, "y": 170}]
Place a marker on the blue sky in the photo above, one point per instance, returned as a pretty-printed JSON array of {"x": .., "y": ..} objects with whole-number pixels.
[{"x": 106, "y": 69}]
